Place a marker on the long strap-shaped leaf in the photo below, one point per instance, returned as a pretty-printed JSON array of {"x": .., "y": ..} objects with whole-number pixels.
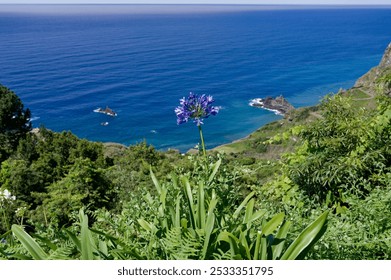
[
  {"x": 216, "y": 167},
  {"x": 260, "y": 251},
  {"x": 189, "y": 198},
  {"x": 201, "y": 211},
  {"x": 280, "y": 240},
  {"x": 273, "y": 224},
  {"x": 306, "y": 237},
  {"x": 86, "y": 241},
  {"x": 29, "y": 243},
  {"x": 209, "y": 225},
  {"x": 243, "y": 204},
  {"x": 155, "y": 181}
]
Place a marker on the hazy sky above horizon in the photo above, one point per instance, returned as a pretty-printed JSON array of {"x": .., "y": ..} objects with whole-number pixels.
[{"x": 260, "y": 2}]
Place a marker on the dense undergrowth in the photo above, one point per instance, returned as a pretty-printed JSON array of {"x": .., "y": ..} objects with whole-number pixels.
[{"x": 328, "y": 198}]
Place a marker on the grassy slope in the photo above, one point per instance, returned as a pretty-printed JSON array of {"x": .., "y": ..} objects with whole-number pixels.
[{"x": 255, "y": 144}]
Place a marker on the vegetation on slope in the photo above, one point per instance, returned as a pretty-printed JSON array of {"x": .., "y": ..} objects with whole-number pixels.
[{"x": 269, "y": 196}]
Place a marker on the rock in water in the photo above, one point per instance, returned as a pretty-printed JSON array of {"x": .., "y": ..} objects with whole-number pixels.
[{"x": 279, "y": 105}]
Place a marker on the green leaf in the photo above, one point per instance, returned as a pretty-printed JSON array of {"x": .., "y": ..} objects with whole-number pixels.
[
  {"x": 46, "y": 241},
  {"x": 245, "y": 248},
  {"x": 216, "y": 167},
  {"x": 163, "y": 196},
  {"x": 249, "y": 211},
  {"x": 86, "y": 241},
  {"x": 155, "y": 181},
  {"x": 148, "y": 198},
  {"x": 201, "y": 207},
  {"x": 240, "y": 207},
  {"x": 257, "y": 246},
  {"x": 74, "y": 238},
  {"x": 312, "y": 233},
  {"x": 209, "y": 226},
  {"x": 257, "y": 215},
  {"x": 190, "y": 202},
  {"x": 273, "y": 224},
  {"x": 233, "y": 242},
  {"x": 103, "y": 248},
  {"x": 105, "y": 235},
  {"x": 280, "y": 239},
  {"x": 263, "y": 248},
  {"x": 6, "y": 234},
  {"x": 29, "y": 243},
  {"x": 145, "y": 225},
  {"x": 208, "y": 231},
  {"x": 177, "y": 221}
]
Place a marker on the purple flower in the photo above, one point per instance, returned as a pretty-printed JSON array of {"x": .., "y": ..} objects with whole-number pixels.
[{"x": 195, "y": 107}]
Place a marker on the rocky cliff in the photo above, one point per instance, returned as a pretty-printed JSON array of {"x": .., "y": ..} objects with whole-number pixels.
[{"x": 368, "y": 81}]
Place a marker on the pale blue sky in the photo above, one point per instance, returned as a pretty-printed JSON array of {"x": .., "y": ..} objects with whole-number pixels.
[{"x": 301, "y": 2}]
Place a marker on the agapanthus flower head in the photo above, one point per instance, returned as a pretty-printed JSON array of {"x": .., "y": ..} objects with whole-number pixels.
[{"x": 196, "y": 108}]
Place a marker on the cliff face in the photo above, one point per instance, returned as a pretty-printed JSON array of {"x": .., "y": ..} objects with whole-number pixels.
[
  {"x": 368, "y": 81},
  {"x": 386, "y": 60}
]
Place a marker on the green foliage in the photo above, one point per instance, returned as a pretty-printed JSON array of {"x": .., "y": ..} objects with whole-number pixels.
[
  {"x": 21, "y": 179},
  {"x": 84, "y": 185},
  {"x": 363, "y": 232},
  {"x": 14, "y": 121},
  {"x": 182, "y": 220},
  {"x": 130, "y": 174},
  {"x": 308, "y": 236},
  {"x": 269, "y": 242},
  {"x": 384, "y": 84},
  {"x": 53, "y": 174},
  {"x": 232, "y": 206},
  {"x": 29, "y": 243},
  {"x": 185, "y": 217},
  {"x": 344, "y": 152},
  {"x": 86, "y": 244}
]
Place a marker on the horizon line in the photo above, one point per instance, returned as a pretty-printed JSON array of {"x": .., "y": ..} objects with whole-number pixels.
[
  {"x": 189, "y": 4},
  {"x": 152, "y": 9}
]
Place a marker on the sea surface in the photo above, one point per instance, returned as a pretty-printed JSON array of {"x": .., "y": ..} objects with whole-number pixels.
[{"x": 66, "y": 61}]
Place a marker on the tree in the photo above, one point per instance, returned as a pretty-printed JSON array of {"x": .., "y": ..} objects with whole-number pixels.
[
  {"x": 85, "y": 185},
  {"x": 14, "y": 121},
  {"x": 347, "y": 151}
]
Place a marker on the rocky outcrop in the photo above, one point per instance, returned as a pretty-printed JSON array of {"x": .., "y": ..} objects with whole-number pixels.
[
  {"x": 386, "y": 60},
  {"x": 279, "y": 105},
  {"x": 368, "y": 81}
]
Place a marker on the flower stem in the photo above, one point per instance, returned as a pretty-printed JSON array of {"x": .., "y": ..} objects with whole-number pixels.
[{"x": 202, "y": 141}]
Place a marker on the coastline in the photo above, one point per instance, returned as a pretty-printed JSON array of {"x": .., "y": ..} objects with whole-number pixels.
[
  {"x": 364, "y": 85},
  {"x": 143, "y": 84}
]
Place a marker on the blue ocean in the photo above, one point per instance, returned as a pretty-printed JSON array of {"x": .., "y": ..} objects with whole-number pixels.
[{"x": 64, "y": 62}]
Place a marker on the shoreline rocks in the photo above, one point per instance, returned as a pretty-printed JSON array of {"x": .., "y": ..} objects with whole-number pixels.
[{"x": 279, "y": 105}]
